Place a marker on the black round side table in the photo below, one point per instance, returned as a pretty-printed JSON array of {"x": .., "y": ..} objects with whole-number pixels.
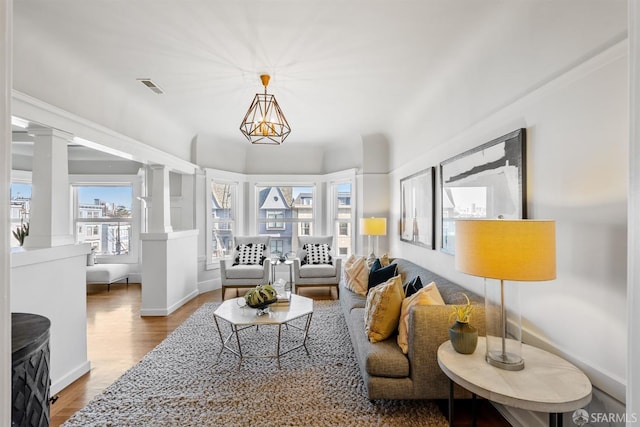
[{"x": 30, "y": 380}]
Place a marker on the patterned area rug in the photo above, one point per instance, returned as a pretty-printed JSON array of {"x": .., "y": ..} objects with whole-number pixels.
[{"x": 186, "y": 381}]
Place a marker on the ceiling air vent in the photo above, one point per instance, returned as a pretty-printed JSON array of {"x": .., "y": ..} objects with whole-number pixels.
[{"x": 151, "y": 85}]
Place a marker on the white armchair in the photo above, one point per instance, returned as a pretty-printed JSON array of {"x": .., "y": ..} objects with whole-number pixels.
[
  {"x": 248, "y": 267},
  {"x": 313, "y": 269}
]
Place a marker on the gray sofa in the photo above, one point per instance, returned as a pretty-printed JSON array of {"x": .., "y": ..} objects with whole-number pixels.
[{"x": 387, "y": 372}]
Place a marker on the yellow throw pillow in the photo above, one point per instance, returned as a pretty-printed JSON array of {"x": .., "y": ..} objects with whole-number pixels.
[
  {"x": 356, "y": 275},
  {"x": 429, "y": 295},
  {"x": 382, "y": 311},
  {"x": 350, "y": 260},
  {"x": 385, "y": 260}
]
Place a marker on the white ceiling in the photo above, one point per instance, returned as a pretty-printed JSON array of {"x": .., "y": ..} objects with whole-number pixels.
[{"x": 339, "y": 68}]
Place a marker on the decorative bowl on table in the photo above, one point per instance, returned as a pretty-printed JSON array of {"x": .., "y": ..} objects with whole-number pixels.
[
  {"x": 261, "y": 297},
  {"x": 262, "y": 305}
]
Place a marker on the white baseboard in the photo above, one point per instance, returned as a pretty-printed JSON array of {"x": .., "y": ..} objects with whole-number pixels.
[
  {"x": 209, "y": 285},
  {"x": 61, "y": 383},
  {"x": 162, "y": 311}
]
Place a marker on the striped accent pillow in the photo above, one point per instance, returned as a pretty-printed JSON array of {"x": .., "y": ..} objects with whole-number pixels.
[
  {"x": 317, "y": 253},
  {"x": 250, "y": 254},
  {"x": 356, "y": 275},
  {"x": 429, "y": 295}
]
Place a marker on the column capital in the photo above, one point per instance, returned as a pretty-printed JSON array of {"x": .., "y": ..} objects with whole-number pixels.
[{"x": 48, "y": 132}]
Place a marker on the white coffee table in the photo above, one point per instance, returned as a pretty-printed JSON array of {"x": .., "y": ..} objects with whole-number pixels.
[
  {"x": 548, "y": 383},
  {"x": 241, "y": 316}
]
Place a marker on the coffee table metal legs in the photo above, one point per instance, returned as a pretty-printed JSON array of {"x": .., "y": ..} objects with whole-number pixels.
[{"x": 235, "y": 332}]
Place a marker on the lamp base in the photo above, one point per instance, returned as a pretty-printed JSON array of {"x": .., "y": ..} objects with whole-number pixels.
[
  {"x": 371, "y": 258},
  {"x": 506, "y": 361}
]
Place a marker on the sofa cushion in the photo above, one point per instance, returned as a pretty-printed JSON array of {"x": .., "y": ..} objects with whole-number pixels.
[
  {"x": 107, "y": 273},
  {"x": 382, "y": 310},
  {"x": 428, "y": 295},
  {"x": 382, "y": 359},
  {"x": 255, "y": 271},
  {"x": 317, "y": 270},
  {"x": 350, "y": 300},
  {"x": 379, "y": 274},
  {"x": 356, "y": 275}
]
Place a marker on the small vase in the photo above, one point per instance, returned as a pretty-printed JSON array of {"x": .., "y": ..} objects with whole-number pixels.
[{"x": 464, "y": 337}]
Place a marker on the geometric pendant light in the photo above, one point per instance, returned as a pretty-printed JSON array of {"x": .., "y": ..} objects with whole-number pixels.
[{"x": 264, "y": 122}]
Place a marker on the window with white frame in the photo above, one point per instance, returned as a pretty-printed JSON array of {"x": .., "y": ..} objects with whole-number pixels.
[
  {"x": 305, "y": 229},
  {"x": 275, "y": 217},
  {"x": 343, "y": 216},
  {"x": 284, "y": 212},
  {"x": 20, "y": 210},
  {"x": 222, "y": 217},
  {"x": 103, "y": 217}
]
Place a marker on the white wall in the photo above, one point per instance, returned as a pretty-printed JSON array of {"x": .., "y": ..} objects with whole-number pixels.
[
  {"x": 289, "y": 158},
  {"x": 577, "y": 131},
  {"x": 633, "y": 283},
  {"x": 209, "y": 152},
  {"x": 52, "y": 283},
  {"x": 375, "y": 190},
  {"x": 169, "y": 271},
  {"x": 5, "y": 171}
]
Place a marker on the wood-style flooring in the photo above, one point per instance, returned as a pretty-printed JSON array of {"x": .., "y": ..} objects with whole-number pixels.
[{"x": 118, "y": 337}]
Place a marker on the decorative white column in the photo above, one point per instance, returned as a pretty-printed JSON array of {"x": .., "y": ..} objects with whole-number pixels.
[
  {"x": 169, "y": 258},
  {"x": 160, "y": 215},
  {"x": 49, "y": 224}
]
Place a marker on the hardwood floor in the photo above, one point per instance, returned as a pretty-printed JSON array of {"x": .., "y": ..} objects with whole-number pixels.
[{"x": 117, "y": 338}]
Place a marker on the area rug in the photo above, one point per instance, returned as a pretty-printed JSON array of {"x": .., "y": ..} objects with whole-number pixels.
[{"x": 186, "y": 381}]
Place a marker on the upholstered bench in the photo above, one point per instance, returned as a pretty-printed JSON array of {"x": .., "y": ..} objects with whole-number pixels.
[{"x": 107, "y": 274}]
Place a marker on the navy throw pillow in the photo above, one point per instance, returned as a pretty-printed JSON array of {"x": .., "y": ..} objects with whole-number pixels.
[
  {"x": 382, "y": 274},
  {"x": 412, "y": 286},
  {"x": 376, "y": 265}
]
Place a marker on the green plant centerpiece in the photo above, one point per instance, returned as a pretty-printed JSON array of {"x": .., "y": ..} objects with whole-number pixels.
[
  {"x": 464, "y": 337},
  {"x": 261, "y": 296}
]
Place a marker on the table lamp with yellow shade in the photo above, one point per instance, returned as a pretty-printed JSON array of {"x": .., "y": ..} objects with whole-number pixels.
[
  {"x": 373, "y": 227},
  {"x": 507, "y": 250}
]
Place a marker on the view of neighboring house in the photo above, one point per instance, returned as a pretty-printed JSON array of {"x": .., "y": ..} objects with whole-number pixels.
[
  {"x": 111, "y": 237},
  {"x": 284, "y": 213}
]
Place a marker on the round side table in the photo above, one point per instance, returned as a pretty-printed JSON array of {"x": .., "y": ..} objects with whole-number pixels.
[{"x": 548, "y": 383}]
